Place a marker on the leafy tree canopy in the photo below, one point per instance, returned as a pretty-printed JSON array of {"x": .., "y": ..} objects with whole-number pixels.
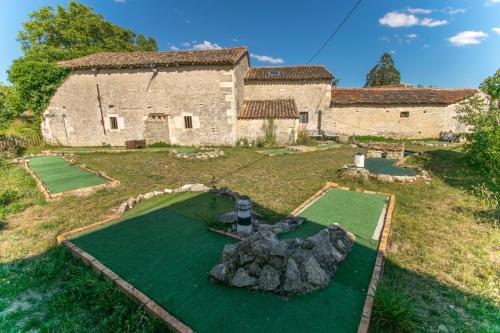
[
  {"x": 491, "y": 86},
  {"x": 383, "y": 73},
  {"x": 57, "y": 34}
]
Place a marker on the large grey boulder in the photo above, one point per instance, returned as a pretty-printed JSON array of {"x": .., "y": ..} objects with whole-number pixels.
[{"x": 284, "y": 267}]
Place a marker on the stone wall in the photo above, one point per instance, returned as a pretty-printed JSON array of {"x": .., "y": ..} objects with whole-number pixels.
[
  {"x": 209, "y": 94},
  {"x": 423, "y": 121},
  {"x": 312, "y": 97},
  {"x": 253, "y": 129}
]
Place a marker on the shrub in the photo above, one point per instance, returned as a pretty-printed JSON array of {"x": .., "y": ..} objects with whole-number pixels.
[
  {"x": 160, "y": 144},
  {"x": 303, "y": 138},
  {"x": 7, "y": 197},
  {"x": 269, "y": 132},
  {"x": 392, "y": 311}
]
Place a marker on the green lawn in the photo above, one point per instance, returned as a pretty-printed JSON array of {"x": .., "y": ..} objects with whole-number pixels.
[
  {"x": 167, "y": 254},
  {"x": 443, "y": 253},
  {"x": 59, "y": 176}
]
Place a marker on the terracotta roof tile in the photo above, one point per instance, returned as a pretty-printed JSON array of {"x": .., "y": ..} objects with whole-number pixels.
[
  {"x": 401, "y": 96},
  {"x": 228, "y": 56},
  {"x": 264, "y": 109},
  {"x": 287, "y": 73}
]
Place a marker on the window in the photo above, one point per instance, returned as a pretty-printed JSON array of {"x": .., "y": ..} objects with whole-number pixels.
[
  {"x": 405, "y": 114},
  {"x": 188, "y": 122},
  {"x": 303, "y": 117},
  {"x": 113, "y": 122}
]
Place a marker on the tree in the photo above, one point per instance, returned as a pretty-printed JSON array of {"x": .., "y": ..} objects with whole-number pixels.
[
  {"x": 64, "y": 33},
  {"x": 491, "y": 86},
  {"x": 483, "y": 137},
  {"x": 383, "y": 73}
]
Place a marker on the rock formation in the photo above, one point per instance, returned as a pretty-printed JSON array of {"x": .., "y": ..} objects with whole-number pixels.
[{"x": 292, "y": 266}]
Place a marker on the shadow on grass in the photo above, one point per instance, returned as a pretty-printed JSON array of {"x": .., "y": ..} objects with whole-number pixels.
[{"x": 166, "y": 253}]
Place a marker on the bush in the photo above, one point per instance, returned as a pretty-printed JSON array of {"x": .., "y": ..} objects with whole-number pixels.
[
  {"x": 160, "y": 144},
  {"x": 483, "y": 145},
  {"x": 7, "y": 197},
  {"x": 303, "y": 138},
  {"x": 393, "y": 311}
]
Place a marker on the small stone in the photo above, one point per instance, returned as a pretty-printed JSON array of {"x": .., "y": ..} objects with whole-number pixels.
[
  {"x": 123, "y": 207},
  {"x": 149, "y": 195},
  {"x": 220, "y": 272},
  {"x": 315, "y": 274},
  {"x": 167, "y": 191},
  {"x": 243, "y": 279},
  {"x": 269, "y": 278},
  {"x": 131, "y": 202},
  {"x": 293, "y": 281},
  {"x": 157, "y": 193},
  {"x": 228, "y": 218}
]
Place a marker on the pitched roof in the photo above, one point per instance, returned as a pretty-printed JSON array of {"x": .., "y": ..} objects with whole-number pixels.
[
  {"x": 399, "y": 95},
  {"x": 288, "y": 73},
  {"x": 274, "y": 108},
  {"x": 136, "y": 59}
]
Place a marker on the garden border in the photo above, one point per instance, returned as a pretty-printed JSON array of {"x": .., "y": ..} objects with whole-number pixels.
[
  {"x": 381, "y": 251},
  {"x": 110, "y": 182},
  {"x": 175, "y": 324}
]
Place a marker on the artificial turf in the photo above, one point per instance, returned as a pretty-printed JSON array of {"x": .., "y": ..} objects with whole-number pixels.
[
  {"x": 386, "y": 166},
  {"x": 167, "y": 253},
  {"x": 57, "y": 175}
]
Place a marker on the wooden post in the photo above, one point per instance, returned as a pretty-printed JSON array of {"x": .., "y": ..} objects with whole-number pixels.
[{"x": 100, "y": 108}]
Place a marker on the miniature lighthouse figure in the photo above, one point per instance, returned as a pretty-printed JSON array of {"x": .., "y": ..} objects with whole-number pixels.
[{"x": 244, "y": 212}]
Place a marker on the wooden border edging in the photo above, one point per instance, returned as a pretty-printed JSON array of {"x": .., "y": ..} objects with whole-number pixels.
[
  {"x": 381, "y": 251},
  {"x": 110, "y": 182},
  {"x": 173, "y": 323}
]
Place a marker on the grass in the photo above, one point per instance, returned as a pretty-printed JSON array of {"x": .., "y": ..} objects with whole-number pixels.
[{"x": 443, "y": 251}]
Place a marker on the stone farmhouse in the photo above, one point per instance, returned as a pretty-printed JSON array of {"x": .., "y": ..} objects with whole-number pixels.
[{"x": 214, "y": 97}]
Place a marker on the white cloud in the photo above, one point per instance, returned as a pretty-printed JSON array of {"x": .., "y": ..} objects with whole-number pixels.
[
  {"x": 236, "y": 40},
  {"x": 392, "y": 52},
  {"x": 491, "y": 2},
  {"x": 397, "y": 20},
  {"x": 186, "y": 44},
  {"x": 412, "y": 36},
  {"x": 174, "y": 48},
  {"x": 497, "y": 30},
  {"x": 206, "y": 45},
  {"x": 453, "y": 11},
  {"x": 426, "y": 46},
  {"x": 467, "y": 38},
  {"x": 187, "y": 21},
  {"x": 119, "y": 1},
  {"x": 419, "y": 11},
  {"x": 269, "y": 59},
  {"x": 431, "y": 23}
]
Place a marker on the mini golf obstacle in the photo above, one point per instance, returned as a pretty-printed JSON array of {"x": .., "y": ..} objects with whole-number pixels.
[
  {"x": 162, "y": 257},
  {"x": 56, "y": 176}
]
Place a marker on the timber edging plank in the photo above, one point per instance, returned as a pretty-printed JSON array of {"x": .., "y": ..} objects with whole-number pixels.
[
  {"x": 364, "y": 323},
  {"x": 128, "y": 289}
]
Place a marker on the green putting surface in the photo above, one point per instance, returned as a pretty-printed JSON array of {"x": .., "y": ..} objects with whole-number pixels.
[
  {"x": 386, "y": 166},
  {"x": 167, "y": 253},
  {"x": 58, "y": 175}
]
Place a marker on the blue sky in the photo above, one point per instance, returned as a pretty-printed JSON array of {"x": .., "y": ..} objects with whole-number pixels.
[{"x": 440, "y": 43}]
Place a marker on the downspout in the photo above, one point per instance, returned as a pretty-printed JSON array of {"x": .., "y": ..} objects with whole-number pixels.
[{"x": 100, "y": 108}]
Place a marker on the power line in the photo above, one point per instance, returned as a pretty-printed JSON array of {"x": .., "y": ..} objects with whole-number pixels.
[{"x": 335, "y": 31}]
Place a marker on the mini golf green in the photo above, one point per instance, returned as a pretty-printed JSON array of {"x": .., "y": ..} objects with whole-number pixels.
[
  {"x": 386, "y": 166},
  {"x": 57, "y": 175},
  {"x": 167, "y": 253}
]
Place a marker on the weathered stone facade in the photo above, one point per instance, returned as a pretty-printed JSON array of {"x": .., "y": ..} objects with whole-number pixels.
[
  {"x": 386, "y": 120},
  {"x": 208, "y": 94},
  {"x": 196, "y": 98}
]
